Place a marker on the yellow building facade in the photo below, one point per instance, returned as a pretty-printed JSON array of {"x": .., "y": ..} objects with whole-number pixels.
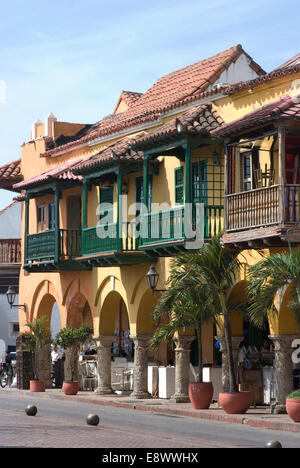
[{"x": 135, "y": 172}]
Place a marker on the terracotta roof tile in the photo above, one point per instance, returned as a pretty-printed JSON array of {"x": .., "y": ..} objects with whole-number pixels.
[
  {"x": 294, "y": 61},
  {"x": 62, "y": 172},
  {"x": 178, "y": 88},
  {"x": 121, "y": 151},
  {"x": 200, "y": 120},
  {"x": 10, "y": 174},
  {"x": 287, "y": 107}
]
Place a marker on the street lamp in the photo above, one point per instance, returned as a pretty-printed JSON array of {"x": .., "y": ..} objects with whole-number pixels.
[
  {"x": 152, "y": 278},
  {"x": 11, "y": 297}
]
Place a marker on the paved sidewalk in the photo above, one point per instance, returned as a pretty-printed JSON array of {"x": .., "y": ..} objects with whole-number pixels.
[{"x": 258, "y": 417}]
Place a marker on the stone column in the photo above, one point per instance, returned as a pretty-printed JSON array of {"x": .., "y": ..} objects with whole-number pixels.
[
  {"x": 104, "y": 343},
  {"x": 182, "y": 368},
  {"x": 140, "y": 371},
  {"x": 236, "y": 340},
  {"x": 44, "y": 365},
  {"x": 284, "y": 368}
]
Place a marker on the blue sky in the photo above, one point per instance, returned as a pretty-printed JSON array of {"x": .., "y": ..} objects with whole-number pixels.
[{"x": 73, "y": 58}]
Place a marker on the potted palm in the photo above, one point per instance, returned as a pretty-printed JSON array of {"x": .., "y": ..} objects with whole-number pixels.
[
  {"x": 293, "y": 405},
  {"x": 218, "y": 269},
  {"x": 70, "y": 339},
  {"x": 266, "y": 278},
  {"x": 35, "y": 340},
  {"x": 185, "y": 304}
]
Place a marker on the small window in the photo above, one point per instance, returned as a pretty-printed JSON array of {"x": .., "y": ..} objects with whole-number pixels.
[
  {"x": 179, "y": 186},
  {"x": 51, "y": 216},
  {"x": 106, "y": 205},
  {"x": 247, "y": 172},
  {"x": 41, "y": 217}
]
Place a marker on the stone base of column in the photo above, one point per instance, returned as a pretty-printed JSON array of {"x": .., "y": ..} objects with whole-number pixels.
[
  {"x": 140, "y": 395},
  {"x": 179, "y": 398},
  {"x": 279, "y": 409},
  {"x": 104, "y": 391}
]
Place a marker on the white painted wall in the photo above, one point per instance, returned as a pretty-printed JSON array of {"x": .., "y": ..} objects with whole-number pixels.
[
  {"x": 238, "y": 71},
  {"x": 7, "y": 317},
  {"x": 10, "y": 222}
]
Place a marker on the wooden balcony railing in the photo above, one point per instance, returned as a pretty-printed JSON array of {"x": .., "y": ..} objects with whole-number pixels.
[
  {"x": 168, "y": 225},
  {"x": 261, "y": 207},
  {"x": 10, "y": 251},
  {"x": 42, "y": 246},
  {"x": 106, "y": 239}
]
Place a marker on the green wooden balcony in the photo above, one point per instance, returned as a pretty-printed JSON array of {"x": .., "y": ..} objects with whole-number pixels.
[
  {"x": 164, "y": 231},
  {"x": 102, "y": 246},
  {"x": 53, "y": 250}
]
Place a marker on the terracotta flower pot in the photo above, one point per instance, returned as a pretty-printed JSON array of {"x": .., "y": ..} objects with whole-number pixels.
[
  {"x": 201, "y": 394},
  {"x": 235, "y": 403},
  {"x": 37, "y": 386},
  {"x": 70, "y": 388},
  {"x": 293, "y": 408}
]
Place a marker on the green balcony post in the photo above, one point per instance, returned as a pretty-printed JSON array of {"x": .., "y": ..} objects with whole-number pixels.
[
  {"x": 26, "y": 228},
  {"x": 56, "y": 217},
  {"x": 84, "y": 204},
  {"x": 145, "y": 218},
  {"x": 187, "y": 185},
  {"x": 84, "y": 216},
  {"x": 119, "y": 212}
]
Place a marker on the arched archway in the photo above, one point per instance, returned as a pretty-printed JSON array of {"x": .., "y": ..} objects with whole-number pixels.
[
  {"x": 114, "y": 321},
  {"x": 46, "y": 303},
  {"x": 79, "y": 312}
]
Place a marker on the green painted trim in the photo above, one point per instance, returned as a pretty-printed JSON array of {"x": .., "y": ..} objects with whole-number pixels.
[
  {"x": 119, "y": 211},
  {"x": 26, "y": 227},
  {"x": 188, "y": 175},
  {"x": 175, "y": 144},
  {"x": 56, "y": 217},
  {"x": 94, "y": 175},
  {"x": 84, "y": 204}
]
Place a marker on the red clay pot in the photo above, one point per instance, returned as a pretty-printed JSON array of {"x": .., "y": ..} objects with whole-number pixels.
[
  {"x": 293, "y": 408},
  {"x": 201, "y": 394},
  {"x": 37, "y": 386},
  {"x": 235, "y": 403},
  {"x": 70, "y": 388}
]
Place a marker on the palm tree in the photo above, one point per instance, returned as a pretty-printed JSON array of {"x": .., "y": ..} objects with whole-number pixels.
[
  {"x": 218, "y": 269},
  {"x": 186, "y": 303},
  {"x": 266, "y": 278},
  {"x": 212, "y": 272}
]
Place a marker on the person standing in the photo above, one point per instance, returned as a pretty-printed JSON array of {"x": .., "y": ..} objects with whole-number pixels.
[{"x": 58, "y": 366}]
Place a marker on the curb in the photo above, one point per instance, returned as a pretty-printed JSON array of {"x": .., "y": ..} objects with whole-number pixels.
[{"x": 205, "y": 415}]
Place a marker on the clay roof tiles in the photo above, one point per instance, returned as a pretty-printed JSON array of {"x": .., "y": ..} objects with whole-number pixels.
[
  {"x": 286, "y": 108},
  {"x": 10, "y": 174},
  {"x": 62, "y": 172},
  {"x": 178, "y": 88},
  {"x": 200, "y": 120}
]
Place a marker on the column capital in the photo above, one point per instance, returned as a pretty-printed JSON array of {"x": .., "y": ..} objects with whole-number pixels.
[
  {"x": 183, "y": 342},
  {"x": 283, "y": 341},
  {"x": 104, "y": 340},
  {"x": 141, "y": 339}
]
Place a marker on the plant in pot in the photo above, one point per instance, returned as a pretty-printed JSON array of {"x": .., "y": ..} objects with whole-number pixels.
[
  {"x": 218, "y": 269},
  {"x": 35, "y": 341},
  {"x": 70, "y": 339},
  {"x": 186, "y": 304},
  {"x": 293, "y": 405},
  {"x": 265, "y": 278}
]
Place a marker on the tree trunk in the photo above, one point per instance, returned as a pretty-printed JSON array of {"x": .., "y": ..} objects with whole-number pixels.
[
  {"x": 200, "y": 363},
  {"x": 233, "y": 387}
]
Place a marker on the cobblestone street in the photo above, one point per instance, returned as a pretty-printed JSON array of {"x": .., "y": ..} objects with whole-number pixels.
[{"x": 62, "y": 424}]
